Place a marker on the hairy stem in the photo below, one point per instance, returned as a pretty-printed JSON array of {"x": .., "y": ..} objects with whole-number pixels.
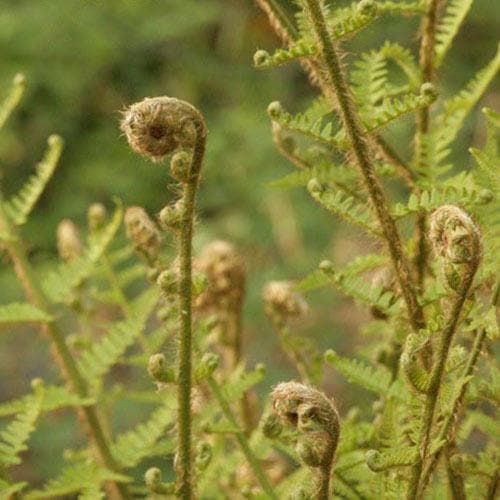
[
  {"x": 242, "y": 439},
  {"x": 184, "y": 376},
  {"x": 355, "y": 132},
  {"x": 63, "y": 355},
  {"x": 441, "y": 355},
  {"x": 447, "y": 424},
  {"x": 426, "y": 55}
]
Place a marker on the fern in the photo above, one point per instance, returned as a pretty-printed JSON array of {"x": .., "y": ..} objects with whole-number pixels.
[
  {"x": 387, "y": 458},
  {"x": 12, "y": 100},
  {"x": 105, "y": 353},
  {"x": 131, "y": 447},
  {"x": 447, "y": 29},
  {"x": 450, "y": 120},
  {"x": 393, "y": 108},
  {"x": 59, "y": 284},
  {"x": 300, "y": 48},
  {"x": 376, "y": 380},
  {"x": 79, "y": 478},
  {"x": 14, "y": 437},
  {"x": 20, "y": 206},
  {"x": 344, "y": 206},
  {"x": 54, "y": 398},
  {"x": 17, "y": 312}
]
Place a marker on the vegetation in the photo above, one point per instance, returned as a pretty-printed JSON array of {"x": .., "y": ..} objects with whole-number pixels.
[{"x": 151, "y": 325}]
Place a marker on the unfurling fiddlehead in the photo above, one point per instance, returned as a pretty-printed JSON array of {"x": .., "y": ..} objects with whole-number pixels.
[
  {"x": 156, "y": 127},
  {"x": 456, "y": 240},
  {"x": 315, "y": 418}
]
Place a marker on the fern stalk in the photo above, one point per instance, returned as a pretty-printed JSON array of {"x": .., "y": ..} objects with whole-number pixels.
[
  {"x": 359, "y": 145},
  {"x": 416, "y": 484},
  {"x": 450, "y": 419},
  {"x": 426, "y": 61},
  {"x": 242, "y": 439},
  {"x": 185, "y": 304},
  {"x": 63, "y": 356}
]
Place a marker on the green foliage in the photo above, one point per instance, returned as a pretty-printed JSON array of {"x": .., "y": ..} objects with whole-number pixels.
[
  {"x": 21, "y": 313},
  {"x": 428, "y": 286}
]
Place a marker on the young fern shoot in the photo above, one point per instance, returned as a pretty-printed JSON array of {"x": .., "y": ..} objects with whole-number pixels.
[{"x": 156, "y": 127}]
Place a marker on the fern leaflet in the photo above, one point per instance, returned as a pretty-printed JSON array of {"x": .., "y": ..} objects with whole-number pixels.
[
  {"x": 447, "y": 29},
  {"x": 20, "y": 206},
  {"x": 22, "y": 312},
  {"x": 13, "y": 99}
]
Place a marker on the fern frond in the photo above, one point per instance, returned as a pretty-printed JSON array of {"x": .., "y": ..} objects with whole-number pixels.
[
  {"x": 131, "y": 447},
  {"x": 450, "y": 120},
  {"x": 369, "y": 78},
  {"x": 8, "y": 491},
  {"x": 428, "y": 201},
  {"x": 77, "y": 478},
  {"x": 448, "y": 27},
  {"x": 403, "y": 58},
  {"x": 14, "y": 437},
  {"x": 376, "y": 380},
  {"x": 300, "y": 48},
  {"x": 104, "y": 354},
  {"x": 393, "y": 108},
  {"x": 381, "y": 460},
  {"x": 344, "y": 206},
  {"x": 12, "y": 100},
  {"x": 22, "y": 312},
  {"x": 401, "y": 7},
  {"x": 59, "y": 283},
  {"x": 343, "y": 24},
  {"x": 325, "y": 172},
  {"x": 20, "y": 205},
  {"x": 55, "y": 397},
  {"x": 488, "y": 165},
  {"x": 308, "y": 124}
]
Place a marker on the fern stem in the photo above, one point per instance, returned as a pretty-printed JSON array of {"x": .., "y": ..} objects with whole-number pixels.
[
  {"x": 426, "y": 62},
  {"x": 455, "y": 481},
  {"x": 63, "y": 355},
  {"x": 184, "y": 377},
  {"x": 361, "y": 152},
  {"x": 446, "y": 426},
  {"x": 436, "y": 376},
  {"x": 242, "y": 439}
]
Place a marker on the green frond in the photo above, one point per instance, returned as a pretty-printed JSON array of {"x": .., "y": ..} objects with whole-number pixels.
[
  {"x": 344, "y": 206},
  {"x": 429, "y": 200},
  {"x": 381, "y": 460},
  {"x": 55, "y": 397},
  {"x": 105, "y": 353},
  {"x": 299, "y": 49},
  {"x": 369, "y": 78},
  {"x": 376, "y": 380},
  {"x": 349, "y": 282},
  {"x": 405, "y": 60},
  {"x": 345, "y": 22},
  {"x": 14, "y": 437},
  {"x": 20, "y": 205},
  {"x": 133, "y": 446},
  {"x": 414, "y": 373},
  {"x": 399, "y": 7},
  {"x": 59, "y": 284},
  {"x": 22, "y": 312},
  {"x": 393, "y": 108},
  {"x": 448, "y": 27},
  {"x": 310, "y": 125},
  {"x": 488, "y": 166},
  {"x": 13, "y": 98},
  {"x": 325, "y": 172},
  {"x": 449, "y": 121},
  {"x": 79, "y": 478},
  {"x": 8, "y": 491}
]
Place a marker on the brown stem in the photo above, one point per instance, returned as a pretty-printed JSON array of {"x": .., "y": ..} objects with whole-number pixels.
[{"x": 356, "y": 135}]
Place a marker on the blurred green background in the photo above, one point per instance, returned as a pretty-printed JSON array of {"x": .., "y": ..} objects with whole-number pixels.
[{"x": 85, "y": 60}]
